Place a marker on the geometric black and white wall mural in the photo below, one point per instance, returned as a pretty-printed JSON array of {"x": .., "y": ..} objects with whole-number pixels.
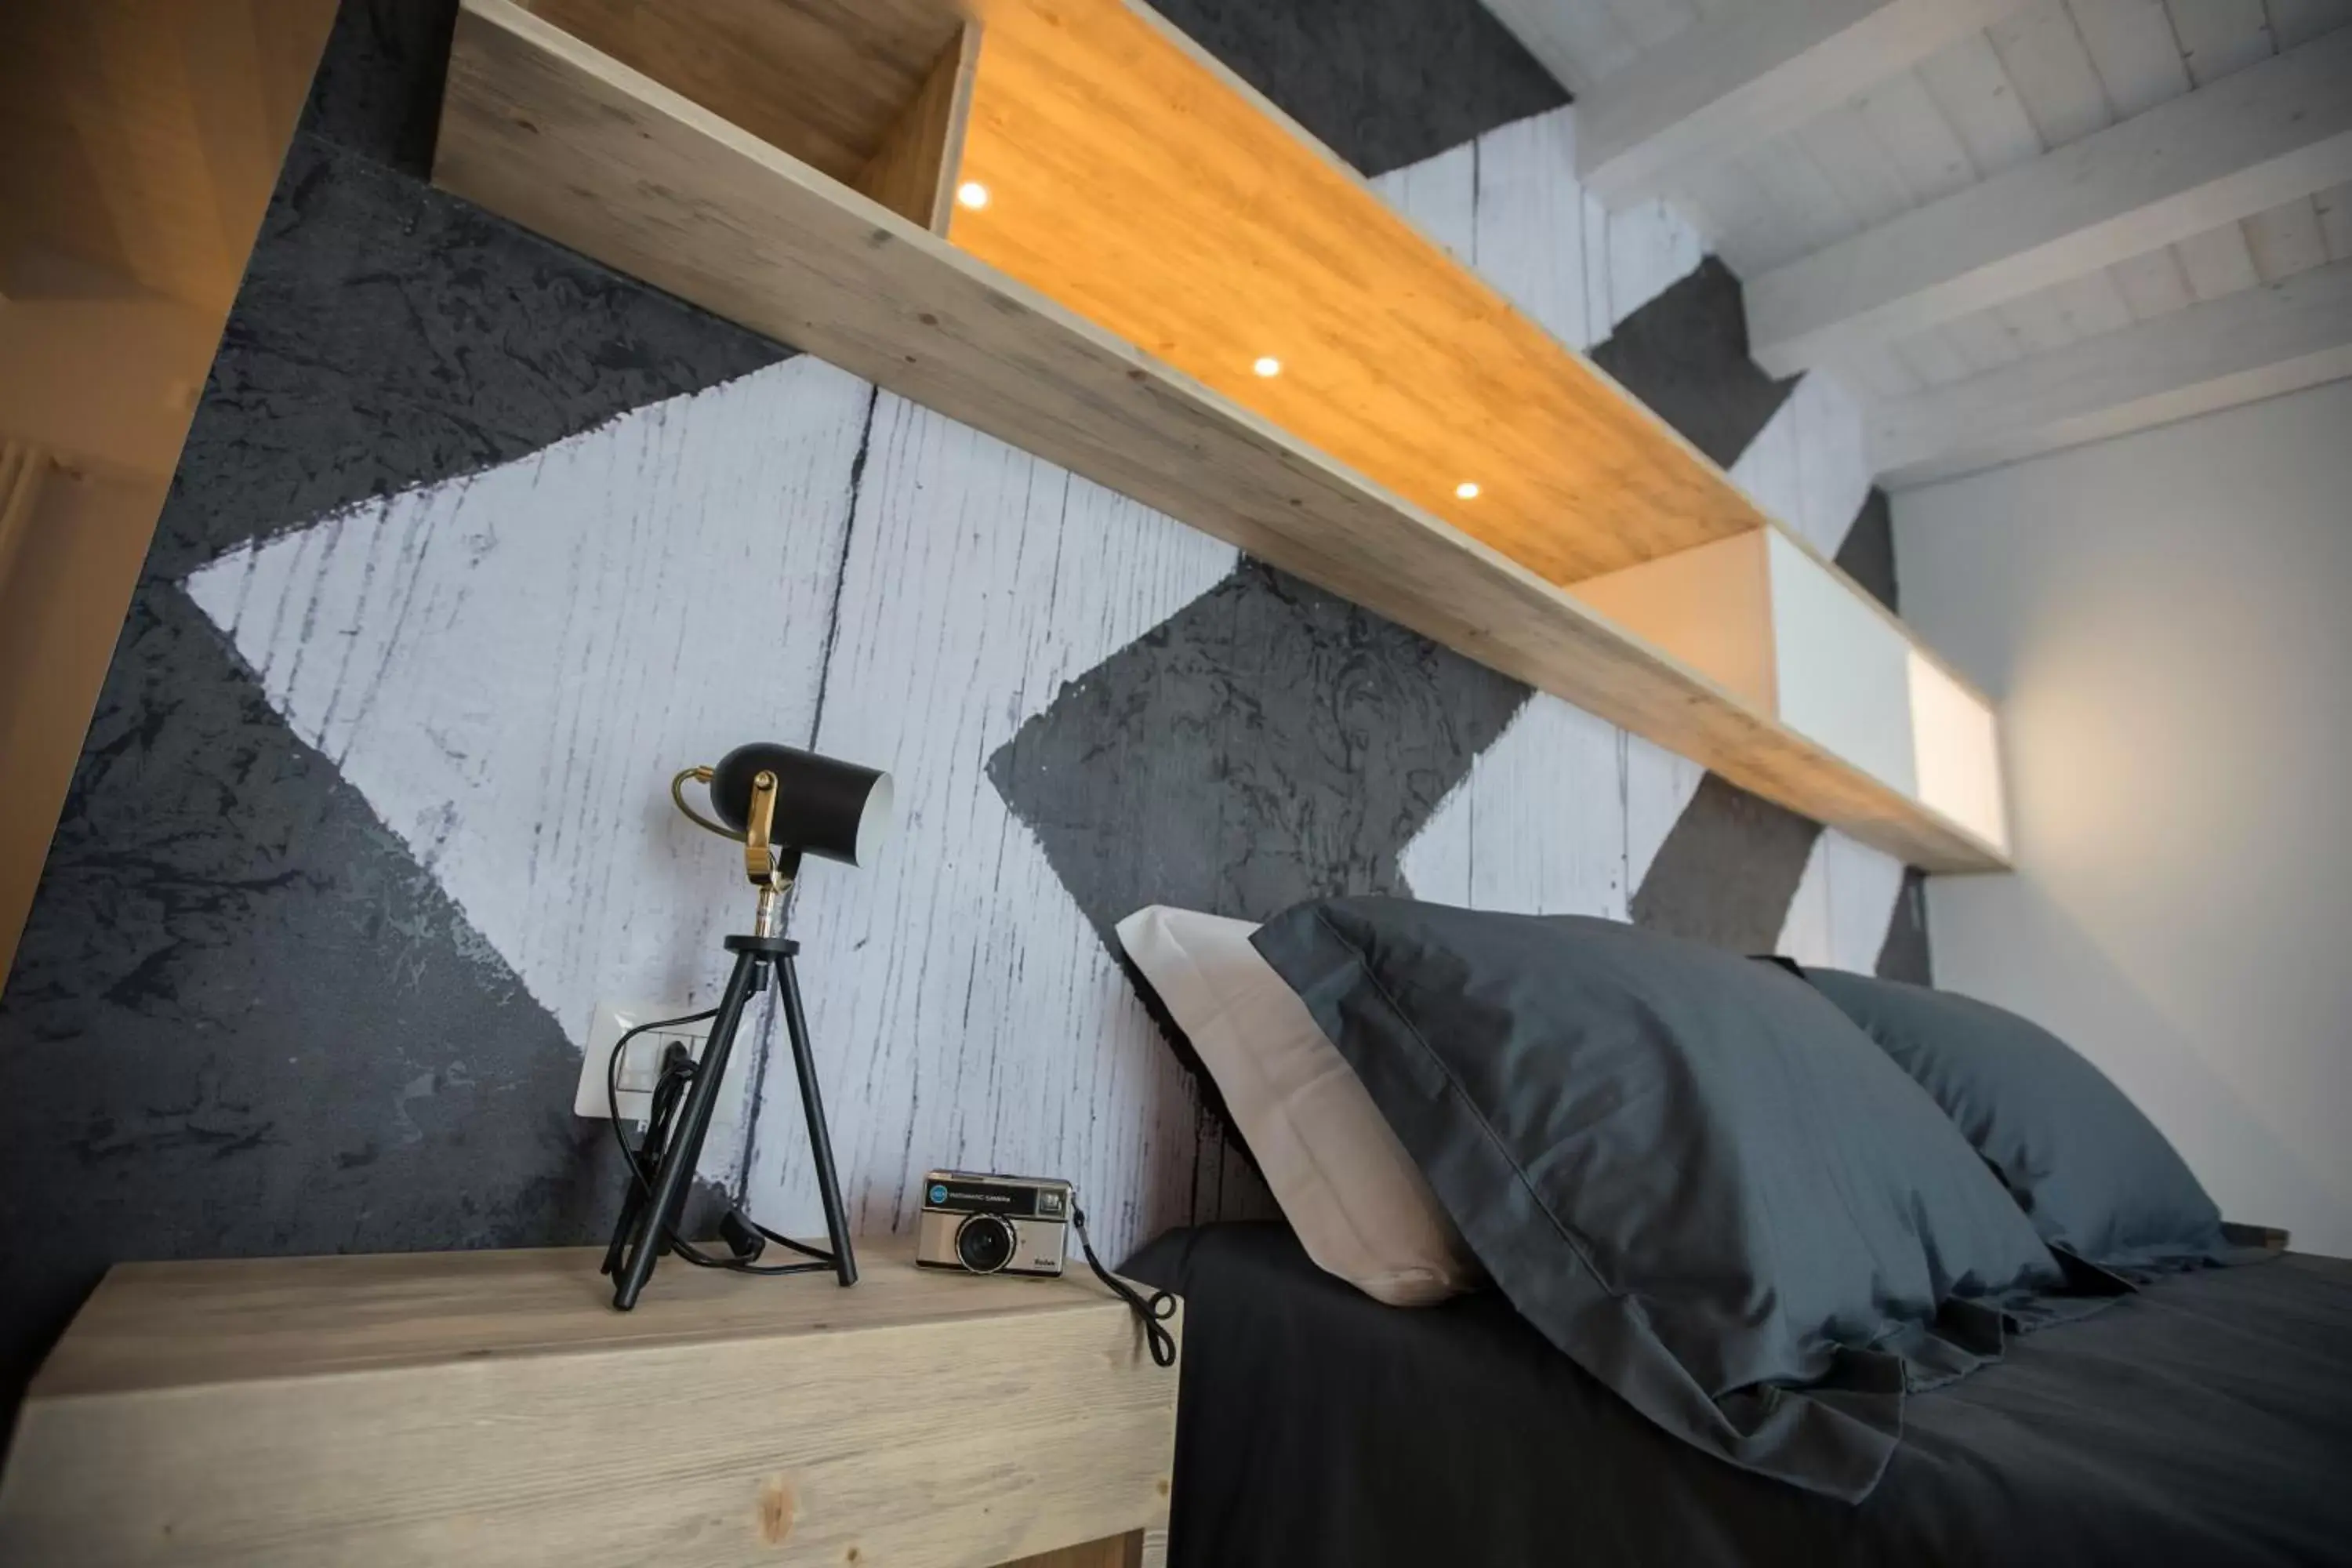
[{"x": 475, "y": 542}]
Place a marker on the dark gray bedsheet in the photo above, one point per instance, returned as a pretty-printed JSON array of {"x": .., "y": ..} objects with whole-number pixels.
[{"x": 2206, "y": 1420}]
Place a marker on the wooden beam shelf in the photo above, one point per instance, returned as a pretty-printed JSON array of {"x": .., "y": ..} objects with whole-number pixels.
[
  {"x": 142, "y": 142},
  {"x": 1136, "y": 231}
]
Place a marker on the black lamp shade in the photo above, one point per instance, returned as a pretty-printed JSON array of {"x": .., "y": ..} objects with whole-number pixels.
[{"x": 834, "y": 809}]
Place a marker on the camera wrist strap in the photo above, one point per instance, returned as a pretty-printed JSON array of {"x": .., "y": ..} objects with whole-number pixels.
[{"x": 1152, "y": 1313}]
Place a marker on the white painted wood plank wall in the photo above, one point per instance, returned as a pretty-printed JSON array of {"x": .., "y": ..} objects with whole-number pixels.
[
  {"x": 990, "y": 1027},
  {"x": 507, "y": 664},
  {"x": 1509, "y": 206}
]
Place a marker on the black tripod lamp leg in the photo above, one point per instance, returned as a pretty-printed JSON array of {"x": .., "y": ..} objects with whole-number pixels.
[
  {"x": 660, "y": 1214},
  {"x": 828, "y": 1185}
]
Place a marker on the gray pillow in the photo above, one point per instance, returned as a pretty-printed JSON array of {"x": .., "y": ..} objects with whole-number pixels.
[
  {"x": 2094, "y": 1175},
  {"x": 1687, "y": 1169}
]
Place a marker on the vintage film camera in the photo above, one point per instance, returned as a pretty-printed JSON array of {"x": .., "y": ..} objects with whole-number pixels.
[{"x": 985, "y": 1224}]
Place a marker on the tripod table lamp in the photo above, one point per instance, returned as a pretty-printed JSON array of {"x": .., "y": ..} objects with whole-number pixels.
[{"x": 779, "y": 802}]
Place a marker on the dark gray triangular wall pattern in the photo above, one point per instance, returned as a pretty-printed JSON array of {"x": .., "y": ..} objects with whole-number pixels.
[
  {"x": 1685, "y": 353},
  {"x": 386, "y": 335},
  {"x": 1382, "y": 83},
  {"x": 243, "y": 1019},
  {"x": 1904, "y": 954},
  {"x": 1867, "y": 554},
  {"x": 1268, "y": 743},
  {"x": 377, "y": 92},
  {"x": 1271, "y": 742},
  {"x": 1727, "y": 872}
]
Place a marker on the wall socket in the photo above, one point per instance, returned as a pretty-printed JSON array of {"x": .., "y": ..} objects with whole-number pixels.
[{"x": 642, "y": 1065}]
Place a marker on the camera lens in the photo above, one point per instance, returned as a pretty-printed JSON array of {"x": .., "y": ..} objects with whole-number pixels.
[{"x": 983, "y": 1244}]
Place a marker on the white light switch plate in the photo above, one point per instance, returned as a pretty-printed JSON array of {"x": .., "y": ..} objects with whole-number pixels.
[{"x": 643, "y": 1063}]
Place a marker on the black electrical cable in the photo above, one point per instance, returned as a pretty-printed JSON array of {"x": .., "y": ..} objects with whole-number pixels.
[
  {"x": 675, "y": 1243},
  {"x": 613, "y": 1084},
  {"x": 1153, "y": 1313}
]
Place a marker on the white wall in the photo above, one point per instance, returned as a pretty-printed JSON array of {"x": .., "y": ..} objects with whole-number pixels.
[{"x": 2167, "y": 618}]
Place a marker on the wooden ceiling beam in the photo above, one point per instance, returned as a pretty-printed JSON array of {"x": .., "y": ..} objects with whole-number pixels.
[
  {"x": 1734, "y": 81},
  {"x": 107, "y": 381},
  {"x": 2250, "y": 141},
  {"x": 2257, "y": 343}
]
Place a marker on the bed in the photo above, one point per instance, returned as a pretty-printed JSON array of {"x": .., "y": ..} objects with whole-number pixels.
[
  {"x": 2205, "y": 1419},
  {"x": 1603, "y": 1246}
]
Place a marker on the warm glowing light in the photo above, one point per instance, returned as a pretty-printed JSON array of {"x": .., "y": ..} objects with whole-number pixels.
[
  {"x": 1467, "y": 490},
  {"x": 1267, "y": 365},
  {"x": 972, "y": 194},
  {"x": 1956, "y": 751}
]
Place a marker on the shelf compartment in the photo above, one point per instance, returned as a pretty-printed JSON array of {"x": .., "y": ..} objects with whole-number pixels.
[
  {"x": 870, "y": 91},
  {"x": 1771, "y": 622},
  {"x": 542, "y": 126},
  {"x": 1131, "y": 178}
]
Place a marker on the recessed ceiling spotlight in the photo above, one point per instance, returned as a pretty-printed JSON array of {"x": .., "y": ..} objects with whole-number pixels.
[
  {"x": 1467, "y": 490},
  {"x": 1267, "y": 365},
  {"x": 972, "y": 194}
]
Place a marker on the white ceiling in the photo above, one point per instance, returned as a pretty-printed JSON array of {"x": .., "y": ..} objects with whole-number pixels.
[{"x": 2044, "y": 74}]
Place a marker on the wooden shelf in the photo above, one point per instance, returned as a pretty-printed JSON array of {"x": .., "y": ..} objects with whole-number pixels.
[
  {"x": 492, "y": 1408},
  {"x": 1786, "y": 632},
  {"x": 1131, "y": 181},
  {"x": 1151, "y": 228}
]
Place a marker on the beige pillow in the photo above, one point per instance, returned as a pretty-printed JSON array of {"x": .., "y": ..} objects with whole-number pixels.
[{"x": 1359, "y": 1207}]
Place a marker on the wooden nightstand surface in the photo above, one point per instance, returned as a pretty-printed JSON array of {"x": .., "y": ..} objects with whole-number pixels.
[{"x": 491, "y": 1408}]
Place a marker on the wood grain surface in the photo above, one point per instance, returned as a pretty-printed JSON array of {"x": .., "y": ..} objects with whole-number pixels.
[
  {"x": 699, "y": 207},
  {"x": 913, "y": 171},
  {"x": 143, "y": 140},
  {"x": 22, "y": 466},
  {"x": 826, "y": 80},
  {"x": 491, "y": 1408},
  {"x": 1131, "y": 180},
  {"x": 1114, "y": 1552},
  {"x": 143, "y": 143}
]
